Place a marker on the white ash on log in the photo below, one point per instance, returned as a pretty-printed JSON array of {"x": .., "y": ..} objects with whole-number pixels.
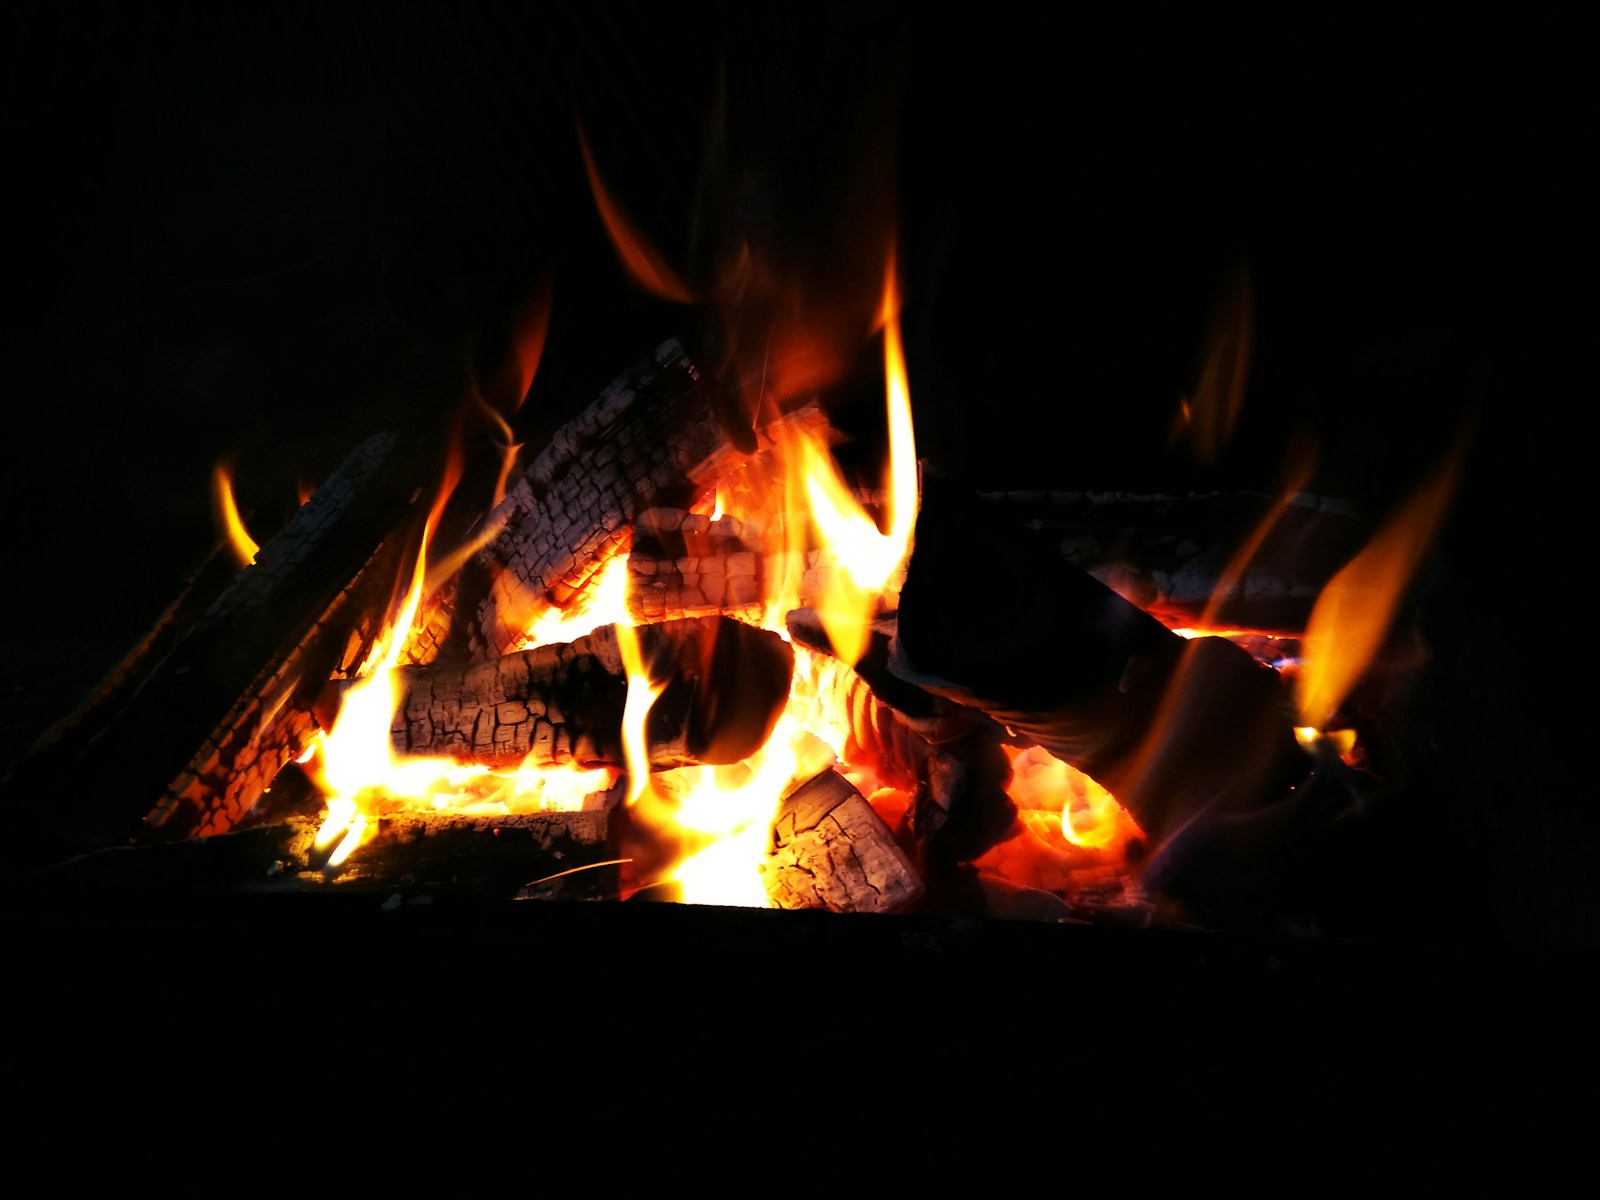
[
  {"x": 684, "y": 564},
  {"x": 726, "y": 683},
  {"x": 662, "y": 434},
  {"x": 1193, "y": 737},
  {"x": 832, "y": 851}
]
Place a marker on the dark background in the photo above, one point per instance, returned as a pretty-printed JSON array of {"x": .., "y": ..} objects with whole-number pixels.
[{"x": 264, "y": 235}]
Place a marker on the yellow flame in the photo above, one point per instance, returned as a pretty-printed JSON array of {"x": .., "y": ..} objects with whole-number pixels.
[
  {"x": 357, "y": 752},
  {"x": 870, "y": 558},
  {"x": 244, "y": 546},
  {"x": 642, "y": 695},
  {"x": 603, "y": 602},
  {"x": 1090, "y": 816},
  {"x": 1352, "y": 615}
]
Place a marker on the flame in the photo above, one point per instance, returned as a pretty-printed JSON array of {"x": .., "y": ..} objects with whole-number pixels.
[
  {"x": 244, "y": 546},
  {"x": 359, "y": 772},
  {"x": 1090, "y": 816},
  {"x": 1209, "y": 416},
  {"x": 603, "y": 602},
  {"x": 870, "y": 558},
  {"x": 642, "y": 695},
  {"x": 1353, "y": 614},
  {"x": 644, "y": 265}
]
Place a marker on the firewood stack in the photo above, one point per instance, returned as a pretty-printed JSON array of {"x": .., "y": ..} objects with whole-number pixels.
[{"x": 190, "y": 739}]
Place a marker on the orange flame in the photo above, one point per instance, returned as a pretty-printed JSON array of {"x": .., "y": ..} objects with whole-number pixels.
[
  {"x": 244, "y": 546},
  {"x": 1354, "y": 612},
  {"x": 357, "y": 753},
  {"x": 644, "y": 264},
  {"x": 870, "y": 558},
  {"x": 1210, "y": 414}
]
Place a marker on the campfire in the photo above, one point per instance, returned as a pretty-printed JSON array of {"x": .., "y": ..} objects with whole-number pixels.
[
  {"x": 681, "y": 656},
  {"x": 683, "y": 653}
]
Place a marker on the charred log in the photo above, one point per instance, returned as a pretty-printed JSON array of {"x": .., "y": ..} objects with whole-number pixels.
[
  {"x": 568, "y": 856},
  {"x": 660, "y": 435},
  {"x": 1174, "y": 553},
  {"x": 832, "y": 851},
  {"x": 684, "y": 564},
  {"x": 1194, "y": 738},
  {"x": 725, "y": 685},
  {"x": 198, "y": 733}
]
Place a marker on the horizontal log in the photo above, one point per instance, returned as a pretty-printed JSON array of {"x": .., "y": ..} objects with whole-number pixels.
[
  {"x": 725, "y": 685},
  {"x": 570, "y": 856},
  {"x": 1173, "y": 553},
  {"x": 1188, "y": 735}
]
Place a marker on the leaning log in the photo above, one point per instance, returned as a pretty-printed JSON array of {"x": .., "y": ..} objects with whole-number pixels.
[
  {"x": 832, "y": 851},
  {"x": 724, "y": 686},
  {"x": 662, "y": 434},
  {"x": 194, "y": 740}
]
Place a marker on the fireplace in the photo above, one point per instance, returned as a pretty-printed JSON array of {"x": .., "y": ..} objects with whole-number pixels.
[{"x": 379, "y": 240}]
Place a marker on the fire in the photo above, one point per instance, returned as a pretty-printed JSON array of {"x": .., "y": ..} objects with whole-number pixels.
[
  {"x": 870, "y": 558},
  {"x": 644, "y": 265},
  {"x": 361, "y": 775},
  {"x": 1354, "y": 612},
  {"x": 723, "y": 816},
  {"x": 244, "y": 546}
]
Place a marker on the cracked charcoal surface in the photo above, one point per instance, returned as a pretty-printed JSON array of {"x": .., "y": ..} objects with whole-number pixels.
[
  {"x": 834, "y": 852},
  {"x": 652, "y": 437}
]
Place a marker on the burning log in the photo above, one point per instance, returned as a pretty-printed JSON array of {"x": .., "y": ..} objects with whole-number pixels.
[
  {"x": 726, "y": 684},
  {"x": 832, "y": 851},
  {"x": 1194, "y": 738},
  {"x": 1170, "y": 553},
  {"x": 195, "y": 735},
  {"x": 549, "y": 855},
  {"x": 683, "y": 564},
  {"x": 660, "y": 435}
]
